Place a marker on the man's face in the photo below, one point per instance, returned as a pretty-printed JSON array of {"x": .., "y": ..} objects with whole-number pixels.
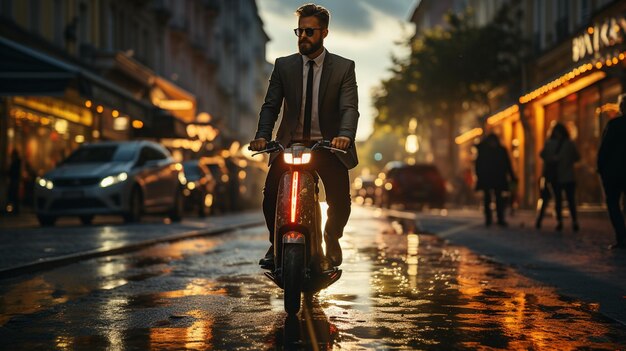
[{"x": 308, "y": 45}]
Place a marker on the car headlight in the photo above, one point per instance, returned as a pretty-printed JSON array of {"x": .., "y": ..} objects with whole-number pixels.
[
  {"x": 114, "y": 179},
  {"x": 45, "y": 183}
]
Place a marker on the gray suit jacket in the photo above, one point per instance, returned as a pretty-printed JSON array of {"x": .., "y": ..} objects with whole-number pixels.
[{"x": 338, "y": 102}]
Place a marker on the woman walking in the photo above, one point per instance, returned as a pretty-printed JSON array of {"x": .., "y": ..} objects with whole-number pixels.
[{"x": 559, "y": 156}]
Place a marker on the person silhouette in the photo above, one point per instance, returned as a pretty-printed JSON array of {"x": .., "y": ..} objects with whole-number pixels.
[
  {"x": 612, "y": 170},
  {"x": 493, "y": 172},
  {"x": 559, "y": 155}
]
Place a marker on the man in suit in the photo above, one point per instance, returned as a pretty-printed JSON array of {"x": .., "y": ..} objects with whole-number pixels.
[
  {"x": 318, "y": 94},
  {"x": 612, "y": 169}
]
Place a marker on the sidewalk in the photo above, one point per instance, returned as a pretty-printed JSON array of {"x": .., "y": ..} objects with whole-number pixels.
[
  {"x": 577, "y": 264},
  {"x": 26, "y": 247}
]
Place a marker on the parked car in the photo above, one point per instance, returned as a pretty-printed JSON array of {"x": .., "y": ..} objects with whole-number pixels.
[
  {"x": 412, "y": 186},
  {"x": 364, "y": 189},
  {"x": 221, "y": 195},
  {"x": 128, "y": 178},
  {"x": 199, "y": 192}
]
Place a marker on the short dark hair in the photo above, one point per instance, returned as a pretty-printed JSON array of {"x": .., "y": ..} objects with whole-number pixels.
[{"x": 321, "y": 13}]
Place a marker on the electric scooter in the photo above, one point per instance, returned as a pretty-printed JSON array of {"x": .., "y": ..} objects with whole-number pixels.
[{"x": 299, "y": 262}]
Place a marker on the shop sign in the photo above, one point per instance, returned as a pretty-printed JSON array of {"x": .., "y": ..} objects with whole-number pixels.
[
  {"x": 601, "y": 36},
  {"x": 203, "y": 132},
  {"x": 56, "y": 108}
]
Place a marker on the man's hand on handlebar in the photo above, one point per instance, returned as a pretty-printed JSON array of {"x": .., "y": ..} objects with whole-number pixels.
[
  {"x": 258, "y": 144},
  {"x": 340, "y": 142}
]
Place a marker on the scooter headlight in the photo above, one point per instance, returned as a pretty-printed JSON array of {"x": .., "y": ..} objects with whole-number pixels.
[{"x": 297, "y": 155}]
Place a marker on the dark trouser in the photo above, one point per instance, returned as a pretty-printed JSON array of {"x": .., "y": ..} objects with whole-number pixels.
[
  {"x": 499, "y": 205},
  {"x": 570, "y": 195},
  {"x": 557, "y": 189},
  {"x": 13, "y": 195},
  {"x": 334, "y": 176},
  {"x": 614, "y": 190}
]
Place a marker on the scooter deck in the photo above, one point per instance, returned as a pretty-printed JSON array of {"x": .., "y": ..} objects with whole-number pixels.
[{"x": 317, "y": 283}]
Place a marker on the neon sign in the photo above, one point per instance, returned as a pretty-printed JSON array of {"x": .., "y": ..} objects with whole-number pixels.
[{"x": 599, "y": 37}]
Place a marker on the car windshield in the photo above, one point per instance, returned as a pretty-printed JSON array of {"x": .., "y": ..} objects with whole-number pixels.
[
  {"x": 101, "y": 154},
  {"x": 192, "y": 170}
]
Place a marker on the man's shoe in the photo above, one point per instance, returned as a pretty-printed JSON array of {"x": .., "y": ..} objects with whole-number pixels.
[
  {"x": 503, "y": 224},
  {"x": 333, "y": 250},
  {"x": 559, "y": 227},
  {"x": 576, "y": 227},
  {"x": 617, "y": 246},
  {"x": 268, "y": 260}
]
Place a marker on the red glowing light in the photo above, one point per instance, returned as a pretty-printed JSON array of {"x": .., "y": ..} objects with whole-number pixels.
[{"x": 294, "y": 196}]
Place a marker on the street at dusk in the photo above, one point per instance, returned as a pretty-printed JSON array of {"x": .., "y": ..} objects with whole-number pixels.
[
  {"x": 338, "y": 175},
  {"x": 401, "y": 289}
]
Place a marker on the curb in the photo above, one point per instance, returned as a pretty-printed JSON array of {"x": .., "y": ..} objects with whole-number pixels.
[{"x": 53, "y": 262}]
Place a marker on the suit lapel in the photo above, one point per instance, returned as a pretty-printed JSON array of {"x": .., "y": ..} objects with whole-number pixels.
[
  {"x": 296, "y": 71},
  {"x": 327, "y": 71}
]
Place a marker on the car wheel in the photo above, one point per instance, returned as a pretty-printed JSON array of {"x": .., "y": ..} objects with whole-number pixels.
[
  {"x": 176, "y": 213},
  {"x": 46, "y": 221},
  {"x": 86, "y": 220},
  {"x": 135, "y": 210}
]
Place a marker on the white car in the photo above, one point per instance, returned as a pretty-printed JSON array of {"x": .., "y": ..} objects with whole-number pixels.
[{"x": 128, "y": 178}]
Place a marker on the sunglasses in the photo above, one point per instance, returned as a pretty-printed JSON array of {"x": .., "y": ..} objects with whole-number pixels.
[{"x": 308, "y": 31}]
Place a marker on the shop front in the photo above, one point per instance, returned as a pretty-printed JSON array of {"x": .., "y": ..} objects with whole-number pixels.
[
  {"x": 49, "y": 107},
  {"x": 583, "y": 98}
]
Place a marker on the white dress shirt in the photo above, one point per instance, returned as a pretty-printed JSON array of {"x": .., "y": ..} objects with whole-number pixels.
[{"x": 316, "y": 133}]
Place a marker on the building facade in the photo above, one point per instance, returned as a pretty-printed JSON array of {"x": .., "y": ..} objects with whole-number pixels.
[
  {"x": 184, "y": 72},
  {"x": 573, "y": 74}
]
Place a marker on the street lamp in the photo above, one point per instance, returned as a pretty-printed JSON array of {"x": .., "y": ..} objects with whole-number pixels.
[{"x": 411, "y": 145}]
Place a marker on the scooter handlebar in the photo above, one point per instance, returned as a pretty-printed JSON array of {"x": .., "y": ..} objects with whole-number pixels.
[{"x": 272, "y": 146}]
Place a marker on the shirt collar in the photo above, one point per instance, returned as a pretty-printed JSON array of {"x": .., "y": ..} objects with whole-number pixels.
[{"x": 318, "y": 60}]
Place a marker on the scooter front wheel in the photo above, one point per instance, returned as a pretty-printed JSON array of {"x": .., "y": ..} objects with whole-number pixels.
[{"x": 293, "y": 273}]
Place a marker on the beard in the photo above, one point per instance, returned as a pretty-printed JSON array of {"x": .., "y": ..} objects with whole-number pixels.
[{"x": 313, "y": 46}]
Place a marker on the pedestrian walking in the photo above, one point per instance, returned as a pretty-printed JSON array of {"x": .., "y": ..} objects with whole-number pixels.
[
  {"x": 612, "y": 169},
  {"x": 559, "y": 155},
  {"x": 15, "y": 177},
  {"x": 493, "y": 172}
]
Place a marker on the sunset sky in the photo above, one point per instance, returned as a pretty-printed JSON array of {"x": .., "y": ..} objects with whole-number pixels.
[{"x": 362, "y": 30}]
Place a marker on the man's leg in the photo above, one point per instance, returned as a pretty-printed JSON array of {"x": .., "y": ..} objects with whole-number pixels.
[
  {"x": 487, "y": 206},
  {"x": 570, "y": 195},
  {"x": 500, "y": 207},
  {"x": 558, "y": 204},
  {"x": 336, "y": 182},
  {"x": 613, "y": 194},
  {"x": 270, "y": 192}
]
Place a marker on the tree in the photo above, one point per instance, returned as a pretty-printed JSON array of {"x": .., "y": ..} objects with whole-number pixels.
[{"x": 450, "y": 69}]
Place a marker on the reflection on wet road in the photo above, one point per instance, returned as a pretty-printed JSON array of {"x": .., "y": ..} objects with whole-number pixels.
[{"x": 399, "y": 290}]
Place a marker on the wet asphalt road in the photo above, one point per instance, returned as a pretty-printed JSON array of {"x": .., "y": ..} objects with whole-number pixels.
[{"x": 399, "y": 290}]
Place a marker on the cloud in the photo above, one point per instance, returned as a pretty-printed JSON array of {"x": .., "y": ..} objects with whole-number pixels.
[{"x": 362, "y": 30}]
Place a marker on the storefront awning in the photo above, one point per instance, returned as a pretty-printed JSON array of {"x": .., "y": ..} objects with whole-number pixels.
[
  {"x": 28, "y": 72},
  {"x": 24, "y": 71}
]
